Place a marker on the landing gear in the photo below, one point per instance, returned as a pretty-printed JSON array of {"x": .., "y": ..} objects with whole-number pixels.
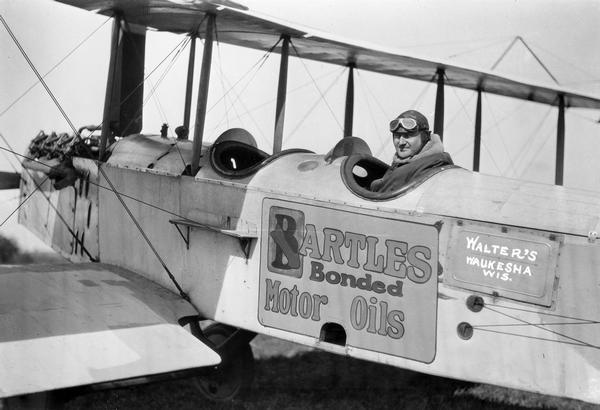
[{"x": 233, "y": 377}]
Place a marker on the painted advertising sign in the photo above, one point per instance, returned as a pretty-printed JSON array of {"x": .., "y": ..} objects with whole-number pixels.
[
  {"x": 518, "y": 265},
  {"x": 373, "y": 276}
]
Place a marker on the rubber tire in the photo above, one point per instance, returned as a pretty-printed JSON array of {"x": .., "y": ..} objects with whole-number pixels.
[{"x": 231, "y": 380}]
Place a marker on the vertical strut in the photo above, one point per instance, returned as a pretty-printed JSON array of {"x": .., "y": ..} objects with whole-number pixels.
[
  {"x": 189, "y": 85},
  {"x": 281, "y": 95},
  {"x": 110, "y": 85},
  {"x": 348, "y": 117},
  {"x": 477, "y": 141},
  {"x": 203, "y": 93},
  {"x": 560, "y": 141},
  {"x": 438, "y": 122}
]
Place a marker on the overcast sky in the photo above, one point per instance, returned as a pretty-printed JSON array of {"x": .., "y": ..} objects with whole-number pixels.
[{"x": 519, "y": 138}]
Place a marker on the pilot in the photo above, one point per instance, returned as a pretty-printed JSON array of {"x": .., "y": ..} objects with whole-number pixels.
[{"x": 417, "y": 151}]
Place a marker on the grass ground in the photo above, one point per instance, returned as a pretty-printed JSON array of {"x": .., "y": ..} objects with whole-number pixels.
[{"x": 290, "y": 377}]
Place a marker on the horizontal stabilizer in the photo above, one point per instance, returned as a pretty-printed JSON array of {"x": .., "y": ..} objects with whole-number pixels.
[
  {"x": 9, "y": 180},
  {"x": 81, "y": 324}
]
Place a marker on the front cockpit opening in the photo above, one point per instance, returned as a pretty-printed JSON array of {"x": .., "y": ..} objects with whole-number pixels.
[{"x": 234, "y": 154}]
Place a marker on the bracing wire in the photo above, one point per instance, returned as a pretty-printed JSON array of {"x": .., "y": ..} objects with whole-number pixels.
[
  {"x": 272, "y": 100},
  {"x": 571, "y": 339},
  {"x": 154, "y": 87},
  {"x": 221, "y": 78},
  {"x": 289, "y": 137},
  {"x": 530, "y": 141},
  {"x": 101, "y": 171},
  {"x": 502, "y": 140},
  {"x": 50, "y": 168},
  {"x": 225, "y": 81},
  {"x": 258, "y": 65},
  {"x": 473, "y": 50},
  {"x": 6, "y": 156},
  {"x": 254, "y": 70},
  {"x": 484, "y": 145},
  {"x": 62, "y": 60},
  {"x": 544, "y": 143},
  {"x": 146, "y": 77},
  {"x": 316, "y": 85},
  {"x": 24, "y": 200},
  {"x": 365, "y": 98},
  {"x": 372, "y": 94}
]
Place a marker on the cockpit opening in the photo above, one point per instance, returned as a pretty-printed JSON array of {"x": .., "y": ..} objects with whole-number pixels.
[
  {"x": 361, "y": 172},
  {"x": 234, "y": 154}
]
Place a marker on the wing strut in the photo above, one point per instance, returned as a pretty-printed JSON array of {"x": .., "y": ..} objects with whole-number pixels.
[
  {"x": 281, "y": 94},
  {"x": 477, "y": 141},
  {"x": 438, "y": 122},
  {"x": 203, "y": 92},
  {"x": 110, "y": 85},
  {"x": 188, "y": 88},
  {"x": 348, "y": 117},
  {"x": 560, "y": 141}
]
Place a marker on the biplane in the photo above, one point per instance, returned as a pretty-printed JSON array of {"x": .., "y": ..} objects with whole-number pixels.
[{"x": 457, "y": 274}]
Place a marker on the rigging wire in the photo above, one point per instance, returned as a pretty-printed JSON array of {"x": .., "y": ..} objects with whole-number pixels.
[
  {"x": 238, "y": 97},
  {"x": 484, "y": 145},
  {"x": 47, "y": 198},
  {"x": 445, "y": 43},
  {"x": 593, "y": 76},
  {"x": 62, "y": 60},
  {"x": 530, "y": 141},
  {"x": 540, "y": 62},
  {"x": 521, "y": 322},
  {"x": 521, "y": 309},
  {"x": 23, "y": 201},
  {"x": 365, "y": 98},
  {"x": 536, "y": 337},
  {"x": 37, "y": 73},
  {"x": 140, "y": 110},
  {"x": 544, "y": 143},
  {"x": 254, "y": 69},
  {"x": 502, "y": 139},
  {"x": 572, "y": 339},
  {"x": 289, "y": 137},
  {"x": 6, "y": 156},
  {"x": 316, "y": 85},
  {"x": 272, "y": 100},
  {"x": 385, "y": 113},
  {"x": 364, "y": 86},
  {"x": 183, "y": 294},
  {"x": 486, "y": 130},
  {"x": 55, "y": 168},
  {"x": 154, "y": 87},
  {"x": 222, "y": 76},
  {"x": 473, "y": 50},
  {"x": 260, "y": 62}
]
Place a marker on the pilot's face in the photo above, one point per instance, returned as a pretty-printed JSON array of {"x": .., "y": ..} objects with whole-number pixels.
[{"x": 407, "y": 144}]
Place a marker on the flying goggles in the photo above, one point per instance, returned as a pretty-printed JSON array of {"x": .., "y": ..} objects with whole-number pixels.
[{"x": 409, "y": 124}]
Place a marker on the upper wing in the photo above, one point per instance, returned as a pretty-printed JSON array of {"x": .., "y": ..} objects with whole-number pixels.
[
  {"x": 77, "y": 324},
  {"x": 243, "y": 28}
]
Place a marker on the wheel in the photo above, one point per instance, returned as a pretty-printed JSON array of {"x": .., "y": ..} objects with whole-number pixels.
[{"x": 233, "y": 377}]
